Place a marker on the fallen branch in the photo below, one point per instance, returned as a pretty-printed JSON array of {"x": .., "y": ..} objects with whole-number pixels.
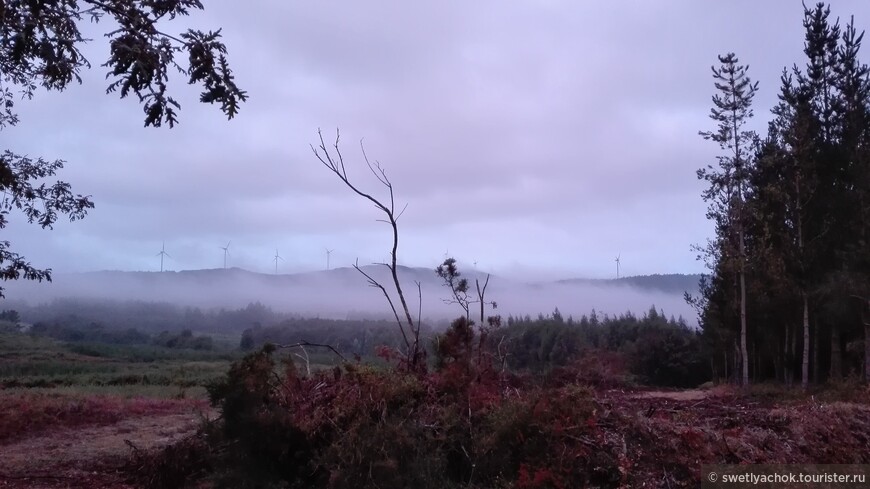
[{"x": 304, "y": 343}]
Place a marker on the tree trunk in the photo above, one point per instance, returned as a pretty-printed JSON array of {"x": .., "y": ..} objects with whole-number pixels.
[
  {"x": 756, "y": 361},
  {"x": 743, "y": 350},
  {"x": 725, "y": 354},
  {"x": 816, "y": 368},
  {"x": 777, "y": 364},
  {"x": 867, "y": 352},
  {"x": 738, "y": 361},
  {"x": 714, "y": 372},
  {"x": 786, "y": 358},
  {"x": 792, "y": 356},
  {"x": 836, "y": 354},
  {"x": 805, "y": 363}
]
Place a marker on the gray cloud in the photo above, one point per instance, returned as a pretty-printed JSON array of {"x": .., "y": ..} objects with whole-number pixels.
[{"x": 527, "y": 135}]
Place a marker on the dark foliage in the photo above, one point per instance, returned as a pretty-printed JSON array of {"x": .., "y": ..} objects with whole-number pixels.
[
  {"x": 184, "y": 339},
  {"x": 149, "y": 317},
  {"x": 668, "y": 356},
  {"x": 467, "y": 425},
  {"x": 657, "y": 350},
  {"x": 90, "y": 332},
  {"x": 40, "y": 46},
  {"x": 463, "y": 425},
  {"x": 41, "y": 203},
  {"x": 794, "y": 237}
]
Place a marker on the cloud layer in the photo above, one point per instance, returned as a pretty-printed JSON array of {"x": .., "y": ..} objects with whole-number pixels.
[{"x": 545, "y": 135}]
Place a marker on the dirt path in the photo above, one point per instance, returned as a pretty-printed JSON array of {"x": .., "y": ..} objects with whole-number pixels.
[
  {"x": 87, "y": 457},
  {"x": 686, "y": 395}
]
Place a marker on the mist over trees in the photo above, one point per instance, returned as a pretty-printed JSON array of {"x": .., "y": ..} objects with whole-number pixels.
[{"x": 788, "y": 291}]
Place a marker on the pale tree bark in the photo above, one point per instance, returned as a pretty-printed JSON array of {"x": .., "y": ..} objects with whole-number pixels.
[
  {"x": 732, "y": 110},
  {"x": 805, "y": 360},
  {"x": 805, "y": 363},
  {"x": 743, "y": 350}
]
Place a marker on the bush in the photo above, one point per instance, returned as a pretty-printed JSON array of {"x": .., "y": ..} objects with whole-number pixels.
[{"x": 358, "y": 426}]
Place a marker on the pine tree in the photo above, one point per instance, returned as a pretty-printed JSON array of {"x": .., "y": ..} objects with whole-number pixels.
[
  {"x": 732, "y": 109},
  {"x": 798, "y": 129},
  {"x": 853, "y": 84}
]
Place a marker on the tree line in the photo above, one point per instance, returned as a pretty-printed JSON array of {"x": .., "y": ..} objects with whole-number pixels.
[{"x": 789, "y": 284}]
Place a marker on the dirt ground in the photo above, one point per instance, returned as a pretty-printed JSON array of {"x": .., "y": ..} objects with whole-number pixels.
[
  {"x": 665, "y": 436},
  {"x": 87, "y": 457},
  {"x": 680, "y": 395}
]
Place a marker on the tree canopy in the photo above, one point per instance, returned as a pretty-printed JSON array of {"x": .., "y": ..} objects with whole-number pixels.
[
  {"x": 41, "y": 45},
  {"x": 801, "y": 223}
]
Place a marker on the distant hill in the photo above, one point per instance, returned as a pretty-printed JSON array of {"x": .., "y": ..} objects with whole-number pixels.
[{"x": 672, "y": 283}]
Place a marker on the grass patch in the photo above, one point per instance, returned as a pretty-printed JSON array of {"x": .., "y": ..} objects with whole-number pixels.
[{"x": 31, "y": 362}]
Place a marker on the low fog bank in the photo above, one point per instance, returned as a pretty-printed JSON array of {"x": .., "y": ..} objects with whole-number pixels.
[{"x": 344, "y": 292}]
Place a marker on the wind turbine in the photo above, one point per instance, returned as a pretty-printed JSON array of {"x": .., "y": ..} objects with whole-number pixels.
[
  {"x": 617, "y": 265},
  {"x": 226, "y": 252},
  {"x": 328, "y": 253},
  {"x": 277, "y": 257},
  {"x": 162, "y": 254}
]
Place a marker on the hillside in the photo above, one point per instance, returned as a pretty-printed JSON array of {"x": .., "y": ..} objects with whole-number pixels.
[{"x": 671, "y": 283}]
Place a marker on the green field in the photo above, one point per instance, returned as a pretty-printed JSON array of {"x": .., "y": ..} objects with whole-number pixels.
[{"x": 39, "y": 364}]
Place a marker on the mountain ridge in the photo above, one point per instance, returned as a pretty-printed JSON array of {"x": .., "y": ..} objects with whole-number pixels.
[
  {"x": 336, "y": 292},
  {"x": 663, "y": 282}
]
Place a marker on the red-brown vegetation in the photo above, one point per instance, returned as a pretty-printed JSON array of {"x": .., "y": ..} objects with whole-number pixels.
[{"x": 470, "y": 424}]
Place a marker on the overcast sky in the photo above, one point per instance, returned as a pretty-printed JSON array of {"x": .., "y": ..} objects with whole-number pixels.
[{"x": 544, "y": 136}]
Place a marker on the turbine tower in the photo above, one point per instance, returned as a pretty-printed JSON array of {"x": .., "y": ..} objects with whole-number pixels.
[
  {"x": 226, "y": 252},
  {"x": 328, "y": 253},
  {"x": 162, "y": 254},
  {"x": 277, "y": 257},
  {"x": 617, "y": 265}
]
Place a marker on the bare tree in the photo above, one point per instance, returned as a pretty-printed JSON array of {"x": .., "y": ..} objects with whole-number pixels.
[
  {"x": 481, "y": 296},
  {"x": 333, "y": 160}
]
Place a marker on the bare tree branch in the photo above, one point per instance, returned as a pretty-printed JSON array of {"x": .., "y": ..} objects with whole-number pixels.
[
  {"x": 304, "y": 343},
  {"x": 335, "y": 164},
  {"x": 481, "y": 294},
  {"x": 419, "y": 311},
  {"x": 375, "y": 283}
]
